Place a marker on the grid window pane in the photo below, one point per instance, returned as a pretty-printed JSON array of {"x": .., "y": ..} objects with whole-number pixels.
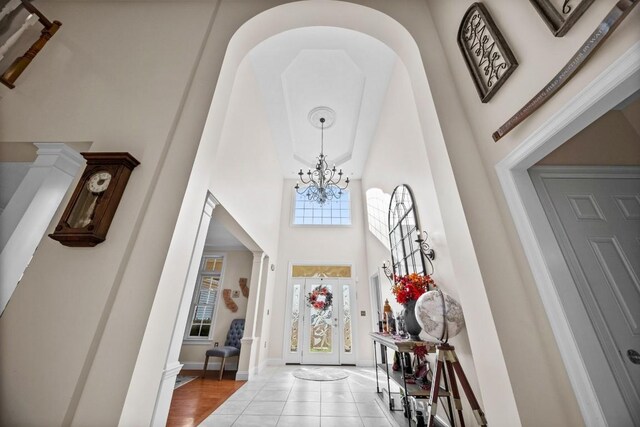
[
  {"x": 206, "y": 297},
  {"x": 333, "y": 212}
]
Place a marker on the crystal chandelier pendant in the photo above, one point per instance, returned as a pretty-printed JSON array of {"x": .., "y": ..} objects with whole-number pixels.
[{"x": 323, "y": 184}]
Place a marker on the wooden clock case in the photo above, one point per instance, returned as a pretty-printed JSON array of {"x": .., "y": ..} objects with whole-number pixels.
[{"x": 120, "y": 166}]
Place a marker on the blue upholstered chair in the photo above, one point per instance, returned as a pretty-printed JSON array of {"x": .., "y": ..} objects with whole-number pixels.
[{"x": 231, "y": 346}]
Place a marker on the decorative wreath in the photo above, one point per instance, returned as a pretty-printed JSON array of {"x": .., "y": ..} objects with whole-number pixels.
[{"x": 320, "y": 298}]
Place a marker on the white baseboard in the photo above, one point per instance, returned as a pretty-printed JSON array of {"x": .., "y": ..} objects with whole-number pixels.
[
  {"x": 261, "y": 366},
  {"x": 275, "y": 362},
  {"x": 242, "y": 376},
  {"x": 212, "y": 366},
  {"x": 364, "y": 363}
]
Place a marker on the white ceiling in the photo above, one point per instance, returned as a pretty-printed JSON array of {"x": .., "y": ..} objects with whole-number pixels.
[
  {"x": 219, "y": 238},
  {"x": 305, "y": 68}
]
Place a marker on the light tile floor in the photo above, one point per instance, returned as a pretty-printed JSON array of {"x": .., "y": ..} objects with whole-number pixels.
[{"x": 277, "y": 398}]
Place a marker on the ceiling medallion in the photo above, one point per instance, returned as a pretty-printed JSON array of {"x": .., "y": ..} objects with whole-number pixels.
[
  {"x": 323, "y": 183},
  {"x": 325, "y": 113}
]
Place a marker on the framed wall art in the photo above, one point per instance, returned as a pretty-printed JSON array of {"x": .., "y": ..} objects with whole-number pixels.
[
  {"x": 560, "y": 15},
  {"x": 485, "y": 51}
]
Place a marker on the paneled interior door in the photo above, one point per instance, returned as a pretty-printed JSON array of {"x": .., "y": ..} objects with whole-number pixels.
[{"x": 596, "y": 219}]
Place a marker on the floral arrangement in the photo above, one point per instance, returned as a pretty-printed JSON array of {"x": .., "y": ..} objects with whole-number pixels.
[
  {"x": 320, "y": 298},
  {"x": 410, "y": 287}
]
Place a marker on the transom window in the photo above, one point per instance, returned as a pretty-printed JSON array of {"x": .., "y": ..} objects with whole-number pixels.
[
  {"x": 205, "y": 298},
  {"x": 333, "y": 212}
]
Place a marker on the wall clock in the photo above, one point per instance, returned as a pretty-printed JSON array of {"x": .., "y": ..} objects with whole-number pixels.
[{"x": 88, "y": 215}]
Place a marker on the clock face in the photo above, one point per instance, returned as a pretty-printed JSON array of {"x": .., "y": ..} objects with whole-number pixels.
[{"x": 99, "y": 182}]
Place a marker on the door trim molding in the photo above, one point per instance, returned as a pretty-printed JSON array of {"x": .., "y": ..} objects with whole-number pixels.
[
  {"x": 286, "y": 354},
  {"x": 606, "y": 91}
]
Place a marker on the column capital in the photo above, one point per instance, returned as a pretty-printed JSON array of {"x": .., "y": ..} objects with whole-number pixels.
[
  {"x": 210, "y": 204},
  {"x": 258, "y": 256},
  {"x": 58, "y": 155}
]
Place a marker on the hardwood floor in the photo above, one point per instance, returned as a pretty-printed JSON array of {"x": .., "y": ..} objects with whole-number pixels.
[{"x": 195, "y": 401}]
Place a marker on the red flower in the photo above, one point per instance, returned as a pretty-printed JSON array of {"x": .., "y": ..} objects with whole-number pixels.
[
  {"x": 411, "y": 286},
  {"x": 420, "y": 350}
]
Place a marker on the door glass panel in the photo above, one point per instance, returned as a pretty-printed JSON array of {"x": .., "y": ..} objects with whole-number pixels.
[
  {"x": 321, "y": 329},
  {"x": 295, "y": 318},
  {"x": 346, "y": 312}
]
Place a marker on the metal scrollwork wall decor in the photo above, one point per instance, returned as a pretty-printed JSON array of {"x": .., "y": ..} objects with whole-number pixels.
[
  {"x": 560, "y": 15},
  {"x": 486, "y": 53}
]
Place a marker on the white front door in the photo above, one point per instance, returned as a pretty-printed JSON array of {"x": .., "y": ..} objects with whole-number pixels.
[
  {"x": 319, "y": 337},
  {"x": 596, "y": 219},
  {"x": 321, "y": 343}
]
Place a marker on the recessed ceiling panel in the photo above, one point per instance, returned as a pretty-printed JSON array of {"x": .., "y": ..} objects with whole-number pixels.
[
  {"x": 305, "y": 68},
  {"x": 320, "y": 77}
]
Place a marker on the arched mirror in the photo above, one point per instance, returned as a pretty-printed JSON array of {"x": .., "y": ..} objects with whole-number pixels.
[{"x": 404, "y": 234}]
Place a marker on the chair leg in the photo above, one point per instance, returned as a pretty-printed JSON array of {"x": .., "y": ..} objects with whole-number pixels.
[
  {"x": 206, "y": 362},
  {"x": 221, "y": 369}
]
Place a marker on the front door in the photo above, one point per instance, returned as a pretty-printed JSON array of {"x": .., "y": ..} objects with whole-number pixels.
[
  {"x": 322, "y": 327},
  {"x": 596, "y": 219},
  {"x": 319, "y": 337}
]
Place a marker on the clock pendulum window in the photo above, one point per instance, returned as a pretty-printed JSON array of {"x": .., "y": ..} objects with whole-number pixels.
[{"x": 88, "y": 215}]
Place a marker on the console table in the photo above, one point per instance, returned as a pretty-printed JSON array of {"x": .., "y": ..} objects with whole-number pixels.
[{"x": 402, "y": 345}]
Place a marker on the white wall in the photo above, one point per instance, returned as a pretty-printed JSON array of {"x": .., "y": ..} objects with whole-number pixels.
[
  {"x": 246, "y": 173},
  {"x": 398, "y": 156},
  {"x": 309, "y": 245},
  {"x": 237, "y": 264},
  {"x": 529, "y": 347},
  {"x": 117, "y": 81}
]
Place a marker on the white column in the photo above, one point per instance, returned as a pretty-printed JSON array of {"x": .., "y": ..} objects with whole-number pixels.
[
  {"x": 25, "y": 219},
  {"x": 247, "y": 353},
  {"x": 173, "y": 366}
]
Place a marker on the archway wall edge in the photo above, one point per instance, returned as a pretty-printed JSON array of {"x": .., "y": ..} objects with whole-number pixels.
[{"x": 496, "y": 388}]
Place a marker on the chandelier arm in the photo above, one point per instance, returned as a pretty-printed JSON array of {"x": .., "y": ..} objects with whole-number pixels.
[
  {"x": 322, "y": 185},
  {"x": 329, "y": 175},
  {"x": 302, "y": 180}
]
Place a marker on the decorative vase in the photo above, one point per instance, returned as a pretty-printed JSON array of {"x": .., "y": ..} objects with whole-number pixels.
[{"x": 410, "y": 321}]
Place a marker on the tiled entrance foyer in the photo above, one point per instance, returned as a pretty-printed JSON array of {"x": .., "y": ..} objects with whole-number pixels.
[{"x": 277, "y": 398}]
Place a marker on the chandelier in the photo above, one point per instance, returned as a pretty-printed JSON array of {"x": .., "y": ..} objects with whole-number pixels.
[{"x": 323, "y": 183}]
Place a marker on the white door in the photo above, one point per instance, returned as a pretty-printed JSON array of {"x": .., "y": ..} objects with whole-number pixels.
[
  {"x": 596, "y": 219},
  {"x": 321, "y": 342},
  {"x": 320, "y": 337}
]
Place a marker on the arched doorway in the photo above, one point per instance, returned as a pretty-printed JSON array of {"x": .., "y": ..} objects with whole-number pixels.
[{"x": 147, "y": 397}]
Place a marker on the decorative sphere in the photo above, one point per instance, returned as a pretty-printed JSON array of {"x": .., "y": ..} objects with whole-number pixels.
[{"x": 429, "y": 313}]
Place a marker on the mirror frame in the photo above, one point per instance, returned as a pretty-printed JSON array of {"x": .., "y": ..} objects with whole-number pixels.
[{"x": 404, "y": 226}]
